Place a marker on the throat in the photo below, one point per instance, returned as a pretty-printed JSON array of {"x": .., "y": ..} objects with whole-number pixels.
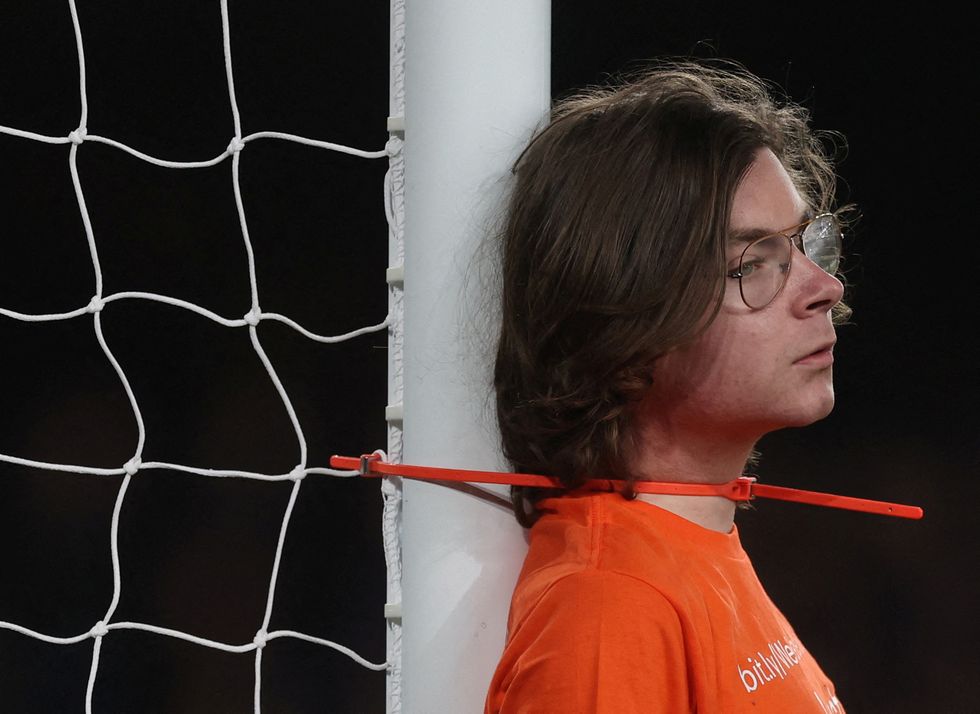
[{"x": 715, "y": 513}]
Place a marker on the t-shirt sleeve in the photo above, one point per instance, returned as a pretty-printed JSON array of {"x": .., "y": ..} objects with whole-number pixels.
[{"x": 594, "y": 642}]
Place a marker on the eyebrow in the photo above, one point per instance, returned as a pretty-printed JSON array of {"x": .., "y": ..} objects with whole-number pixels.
[{"x": 747, "y": 235}]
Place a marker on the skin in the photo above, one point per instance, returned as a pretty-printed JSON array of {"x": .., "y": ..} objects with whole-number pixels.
[{"x": 751, "y": 372}]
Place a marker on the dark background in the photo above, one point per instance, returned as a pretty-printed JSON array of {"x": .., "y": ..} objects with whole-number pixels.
[{"x": 886, "y": 606}]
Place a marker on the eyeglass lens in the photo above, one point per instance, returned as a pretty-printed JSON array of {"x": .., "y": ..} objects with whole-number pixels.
[
  {"x": 765, "y": 263},
  {"x": 821, "y": 242}
]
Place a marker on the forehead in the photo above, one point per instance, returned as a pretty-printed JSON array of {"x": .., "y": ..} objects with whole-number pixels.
[{"x": 766, "y": 200}]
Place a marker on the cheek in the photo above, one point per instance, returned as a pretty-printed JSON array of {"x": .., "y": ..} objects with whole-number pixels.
[
  {"x": 699, "y": 367},
  {"x": 723, "y": 352},
  {"x": 728, "y": 362}
]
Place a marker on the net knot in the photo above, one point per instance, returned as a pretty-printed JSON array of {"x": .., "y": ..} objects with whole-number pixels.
[
  {"x": 252, "y": 317},
  {"x": 297, "y": 474},
  {"x": 78, "y": 135},
  {"x": 95, "y": 304},
  {"x": 235, "y": 145},
  {"x": 132, "y": 466},
  {"x": 261, "y": 638},
  {"x": 393, "y": 146},
  {"x": 100, "y": 629}
]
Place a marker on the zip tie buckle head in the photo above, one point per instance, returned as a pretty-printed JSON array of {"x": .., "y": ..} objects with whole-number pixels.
[
  {"x": 742, "y": 488},
  {"x": 366, "y": 460}
]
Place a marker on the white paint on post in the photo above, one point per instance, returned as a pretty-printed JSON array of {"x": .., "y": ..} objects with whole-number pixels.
[{"x": 477, "y": 84}]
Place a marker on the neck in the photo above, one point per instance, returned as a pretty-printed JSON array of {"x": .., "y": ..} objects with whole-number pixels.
[{"x": 665, "y": 455}]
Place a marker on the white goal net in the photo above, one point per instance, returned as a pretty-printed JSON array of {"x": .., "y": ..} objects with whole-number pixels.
[{"x": 79, "y": 485}]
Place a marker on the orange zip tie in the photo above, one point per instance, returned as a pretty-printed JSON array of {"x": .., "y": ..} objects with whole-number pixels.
[{"x": 743, "y": 488}]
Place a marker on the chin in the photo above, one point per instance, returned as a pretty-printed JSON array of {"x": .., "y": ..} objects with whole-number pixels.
[
  {"x": 815, "y": 411},
  {"x": 812, "y": 408}
]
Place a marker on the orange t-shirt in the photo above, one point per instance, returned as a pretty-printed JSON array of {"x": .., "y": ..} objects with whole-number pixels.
[{"x": 624, "y": 607}]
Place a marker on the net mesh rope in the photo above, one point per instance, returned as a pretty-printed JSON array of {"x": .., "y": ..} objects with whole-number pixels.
[
  {"x": 391, "y": 487},
  {"x": 393, "y": 187}
]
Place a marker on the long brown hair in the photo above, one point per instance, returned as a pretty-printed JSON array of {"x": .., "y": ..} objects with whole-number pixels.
[{"x": 613, "y": 253}]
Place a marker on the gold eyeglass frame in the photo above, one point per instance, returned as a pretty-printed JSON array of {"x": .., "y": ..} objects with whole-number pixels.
[{"x": 796, "y": 239}]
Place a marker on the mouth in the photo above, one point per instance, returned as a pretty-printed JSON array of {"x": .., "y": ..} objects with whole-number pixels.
[{"x": 821, "y": 357}]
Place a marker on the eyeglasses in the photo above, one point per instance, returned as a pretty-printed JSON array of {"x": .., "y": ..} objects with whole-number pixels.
[{"x": 764, "y": 265}]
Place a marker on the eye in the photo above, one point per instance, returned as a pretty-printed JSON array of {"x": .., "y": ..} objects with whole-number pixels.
[
  {"x": 751, "y": 265},
  {"x": 767, "y": 256},
  {"x": 734, "y": 272}
]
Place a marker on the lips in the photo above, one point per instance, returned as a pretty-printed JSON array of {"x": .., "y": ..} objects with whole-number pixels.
[{"x": 822, "y": 354}]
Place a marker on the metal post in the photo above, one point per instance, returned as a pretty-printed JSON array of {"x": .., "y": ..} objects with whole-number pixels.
[{"x": 477, "y": 84}]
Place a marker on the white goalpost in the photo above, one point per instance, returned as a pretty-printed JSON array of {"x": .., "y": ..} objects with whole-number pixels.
[
  {"x": 469, "y": 82},
  {"x": 477, "y": 84}
]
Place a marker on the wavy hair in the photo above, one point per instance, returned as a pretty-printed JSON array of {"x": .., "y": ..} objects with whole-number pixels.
[{"x": 613, "y": 253}]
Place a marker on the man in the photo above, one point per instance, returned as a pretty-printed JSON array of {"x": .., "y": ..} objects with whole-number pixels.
[{"x": 668, "y": 297}]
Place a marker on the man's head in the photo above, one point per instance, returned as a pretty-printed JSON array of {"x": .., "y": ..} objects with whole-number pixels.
[
  {"x": 615, "y": 256},
  {"x": 753, "y": 369}
]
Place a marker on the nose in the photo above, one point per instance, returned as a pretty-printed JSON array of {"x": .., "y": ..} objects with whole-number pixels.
[{"x": 814, "y": 290}]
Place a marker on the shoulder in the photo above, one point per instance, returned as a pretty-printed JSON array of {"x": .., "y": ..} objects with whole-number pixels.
[
  {"x": 595, "y": 640},
  {"x": 603, "y": 600},
  {"x": 590, "y": 543}
]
